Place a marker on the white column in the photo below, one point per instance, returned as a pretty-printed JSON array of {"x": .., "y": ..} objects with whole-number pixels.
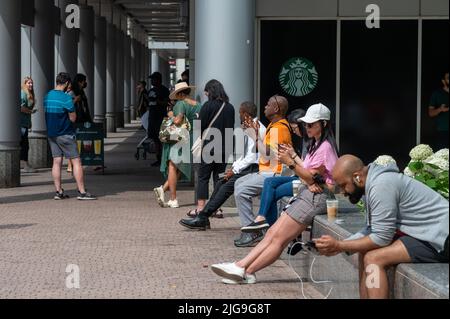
[
  {"x": 230, "y": 55},
  {"x": 133, "y": 79},
  {"x": 25, "y": 52},
  {"x": 67, "y": 44},
  {"x": 43, "y": 73},
  {"x": 86, "y": 55},
  {"x": 10, "y": 15},
  {"x": 127, "y": 80},
  {"x": 100, "y": 70},
  {"x": 111, "y": 79},
  {"x": 119, "y": 79}
]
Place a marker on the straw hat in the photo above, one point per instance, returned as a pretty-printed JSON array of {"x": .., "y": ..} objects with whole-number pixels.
[{"x": 180, "y": 87}]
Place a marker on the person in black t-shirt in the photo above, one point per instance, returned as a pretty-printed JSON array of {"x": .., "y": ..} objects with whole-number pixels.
[
  {"x": 158, "y": 99},
  {"x": 438, "y": 110}
]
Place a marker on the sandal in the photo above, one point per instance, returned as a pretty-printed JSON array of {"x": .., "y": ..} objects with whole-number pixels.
[
  {"x": 218, "y": 214},
  {"x": 192, "y": 213}
]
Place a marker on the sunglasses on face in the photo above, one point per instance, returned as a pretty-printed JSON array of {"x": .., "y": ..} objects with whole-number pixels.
[{"x": 309, "y": 125}]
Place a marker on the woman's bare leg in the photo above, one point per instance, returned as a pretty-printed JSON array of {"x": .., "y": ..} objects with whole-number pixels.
[{"x": 288, "y": 230}]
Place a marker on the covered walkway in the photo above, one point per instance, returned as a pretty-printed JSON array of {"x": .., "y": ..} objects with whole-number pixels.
[{"x": 124, "y": 244}]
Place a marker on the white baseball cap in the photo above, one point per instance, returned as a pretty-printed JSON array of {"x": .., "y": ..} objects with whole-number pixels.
[{"x": 315, "y": 113}]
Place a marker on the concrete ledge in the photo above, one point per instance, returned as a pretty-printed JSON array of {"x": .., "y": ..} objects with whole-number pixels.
[{"x": 407, "y": 281}]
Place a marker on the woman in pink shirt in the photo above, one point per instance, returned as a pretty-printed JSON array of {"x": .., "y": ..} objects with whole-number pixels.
[{"x": 317, "y": 185}]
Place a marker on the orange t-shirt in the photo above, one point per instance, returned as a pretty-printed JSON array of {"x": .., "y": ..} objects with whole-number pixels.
[{"x": 276, "y": 134}]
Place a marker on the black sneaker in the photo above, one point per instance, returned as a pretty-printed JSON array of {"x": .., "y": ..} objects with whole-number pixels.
[
  {"x": 294, "y": 247},
  {"x": 61, "y": 196},
  {"x": 255, "y": 227},
  {"x": 86, "y": 196}
]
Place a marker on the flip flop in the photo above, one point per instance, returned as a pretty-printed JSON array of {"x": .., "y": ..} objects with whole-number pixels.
[{"x": 192, "y": 213}]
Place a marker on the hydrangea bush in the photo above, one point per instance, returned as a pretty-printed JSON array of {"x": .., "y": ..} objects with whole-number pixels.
[
  {"x": 430, "y": 168},
  {"x": 427, "y": 167}
]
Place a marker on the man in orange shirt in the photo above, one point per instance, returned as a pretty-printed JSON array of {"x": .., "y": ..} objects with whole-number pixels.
[{"x": 250, "y": 186}]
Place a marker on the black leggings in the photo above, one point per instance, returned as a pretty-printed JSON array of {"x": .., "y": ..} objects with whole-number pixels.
[{"x": 24, "y": 145}]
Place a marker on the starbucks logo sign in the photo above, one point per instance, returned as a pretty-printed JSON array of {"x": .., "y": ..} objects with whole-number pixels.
[{"x": 298, "y": 77}]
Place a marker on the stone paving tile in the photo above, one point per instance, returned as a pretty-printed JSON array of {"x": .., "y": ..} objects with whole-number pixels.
[{"x": 125, "y": 245}]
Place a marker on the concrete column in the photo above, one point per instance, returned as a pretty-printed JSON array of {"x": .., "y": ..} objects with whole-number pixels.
[
  {"x": 119, "y": 79},
  {"x": 67, "y": 44},
  {"x": 25, "y": 52},
  {"x": 192, "y": 44},
  {"x": 10, "y": 14},
  {"x": 111, "y": 79},
  {"x": 100, "y": 71},
  {"x": 133, "y": 79},
  {"x": 43, "y": 73},
  {"x": 155, "y": 61},
  {"x": 86, "y": 55},
  {"x": 127, "y": 80},
  {"x": 223, "y": 57}
]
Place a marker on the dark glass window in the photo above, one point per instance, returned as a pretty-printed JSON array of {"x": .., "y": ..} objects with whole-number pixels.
[
  {"x": 312, "y": 40},
  {"x": 434, "y": 65},
  {"x": 379, "y": 89}
]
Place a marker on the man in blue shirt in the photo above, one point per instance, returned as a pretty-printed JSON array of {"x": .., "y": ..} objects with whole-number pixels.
[{"x": 59, "y": 115}]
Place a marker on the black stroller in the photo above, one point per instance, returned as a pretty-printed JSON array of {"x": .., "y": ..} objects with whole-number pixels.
[{"x": 146, "y": 145}]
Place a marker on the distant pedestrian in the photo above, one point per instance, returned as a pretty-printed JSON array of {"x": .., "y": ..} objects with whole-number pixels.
[
  {"x": 158, "y": 101},
  {"x": 143, "y": 98},
  {"x": 81, "y": 101},
  {"x": 27, "y": 104},
  {"x": 60, "y": 113},
  {"x": 438, "y": 110}
]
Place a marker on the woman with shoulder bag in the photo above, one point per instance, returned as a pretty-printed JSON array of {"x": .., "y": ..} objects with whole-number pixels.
[
  {"x": 185, "y": 110},
  {"x": 216, "y": 114}
]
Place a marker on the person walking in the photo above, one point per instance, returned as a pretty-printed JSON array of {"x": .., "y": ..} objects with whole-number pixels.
[
  {"x": 174, "y": 169},
  {"x": 158, "y": 100}
]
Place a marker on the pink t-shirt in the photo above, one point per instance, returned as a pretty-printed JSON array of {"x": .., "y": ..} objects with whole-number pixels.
[{"x": 324, "y": 156}]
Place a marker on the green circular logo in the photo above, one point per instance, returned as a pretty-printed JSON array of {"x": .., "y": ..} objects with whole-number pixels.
[{"x": 298, "y": 77}]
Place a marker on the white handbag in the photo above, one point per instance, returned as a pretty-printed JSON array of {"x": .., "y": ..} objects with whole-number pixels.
[{"x": 197, "y": 147}]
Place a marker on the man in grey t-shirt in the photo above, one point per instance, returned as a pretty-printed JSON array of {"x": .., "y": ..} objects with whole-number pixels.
[{"x": 407, "y": 222}]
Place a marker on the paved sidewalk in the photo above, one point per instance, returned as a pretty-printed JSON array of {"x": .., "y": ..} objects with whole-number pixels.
[{"x": 125, "y": 245}]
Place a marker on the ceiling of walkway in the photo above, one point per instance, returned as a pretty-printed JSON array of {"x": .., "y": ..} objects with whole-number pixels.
[{"x": 163, "y": 21}]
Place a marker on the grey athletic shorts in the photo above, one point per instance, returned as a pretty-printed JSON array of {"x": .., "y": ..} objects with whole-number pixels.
[
  {"x": 306, "y": 206},
  {"x": 422, "y": 252},
  {"x": 64, "y": 146}
]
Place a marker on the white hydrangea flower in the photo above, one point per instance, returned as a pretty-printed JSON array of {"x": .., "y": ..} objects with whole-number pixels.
[
  {"x": 385, "y": 160},
  {"x": 421, "y": 152},
  {"x": 444, "y": 154},
  {"x": 408, "y": 172},
  {"x": 439, "y": 162}
]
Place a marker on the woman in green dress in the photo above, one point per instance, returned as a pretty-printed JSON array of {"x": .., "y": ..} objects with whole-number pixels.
[{"x": 171, "y": 167}]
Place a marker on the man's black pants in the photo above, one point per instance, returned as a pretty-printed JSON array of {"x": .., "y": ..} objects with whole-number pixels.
[{"x": 224, "y": 189}]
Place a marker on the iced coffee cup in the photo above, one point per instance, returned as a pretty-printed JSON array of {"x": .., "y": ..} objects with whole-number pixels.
[
  {"x": 98, "y": 147},
  {"x": 332, "y": 209},
  {"x": 295, "y": 187}
]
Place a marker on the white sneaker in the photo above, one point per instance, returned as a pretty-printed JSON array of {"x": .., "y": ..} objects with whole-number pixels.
[
  {"x": 159, "y": 193},
  {"x": 172, "y": 204},
  {"x": 248, "y": 280},
  {"x": 229, "y": 271}
]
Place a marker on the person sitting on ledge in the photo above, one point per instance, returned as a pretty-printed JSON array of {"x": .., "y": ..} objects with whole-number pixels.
[
  {"x": 299, "y": 214},
  {"x": 407, "y": 222}
]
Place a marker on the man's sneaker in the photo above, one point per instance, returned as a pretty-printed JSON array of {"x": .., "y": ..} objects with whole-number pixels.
[
  {"x": 250, "y": 239},
  {"x": 255, "y": 227},
  {"x": 60, "y": 196},
  {"x": 173, "y": 204},
  {"x": 86, "y": 196},
  {"x": 159, "y": 193},
  {"x": 248, "y": 280},
  {"x": 229, "y": 271}
]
